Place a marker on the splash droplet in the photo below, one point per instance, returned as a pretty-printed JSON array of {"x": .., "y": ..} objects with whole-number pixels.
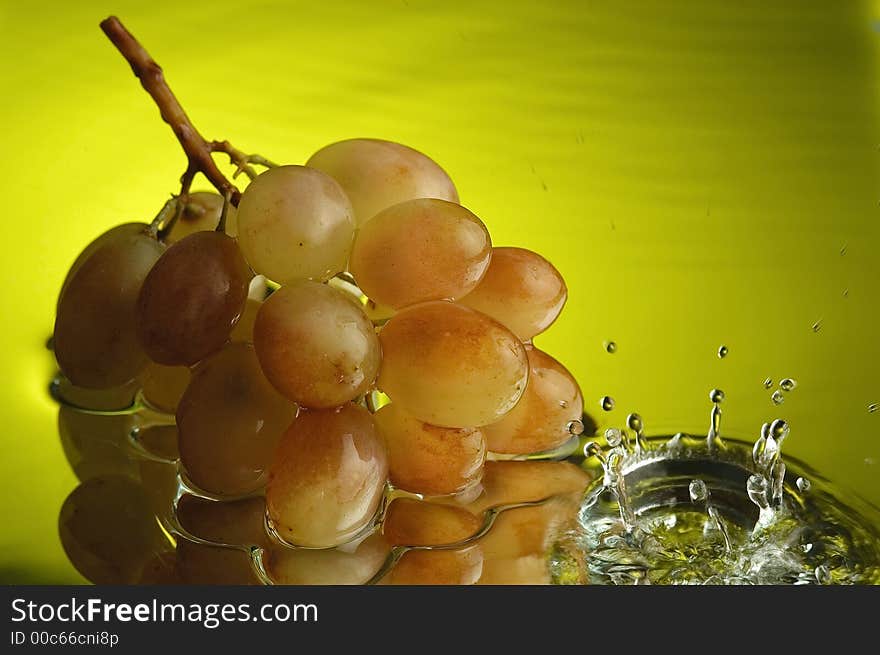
[
  {"x": 716, "y": 396},
  {"x": 788, "y": 384},
  {"x": 768, "y": 383},
  {"x": 777, "y": 397},
  {"x": 823, "y": 575},
  {"x": 722, "y": 352},
  {"x": 779, "y": 429},
  {"x": 634, "y": 422},
  {"x": 614, "y": 437},
  {"x": 698, "y": 491},
  {"x": 803, "y": 484},
  {"x": 873, "y": 407},
  {"x": 610, "y": 347},
  {"x": 576, "y": 427},
  {"x": 817, "y": 325},
  {"x": 607, "y": 403}
]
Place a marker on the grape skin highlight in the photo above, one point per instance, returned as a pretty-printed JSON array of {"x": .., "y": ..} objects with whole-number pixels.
[
  {"x": 419, "y": 250},
  {"x": 377, "y": 174},
  {"x": 450, "y": 366}
]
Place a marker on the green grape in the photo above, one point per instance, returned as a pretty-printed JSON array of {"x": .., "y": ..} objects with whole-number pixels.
[
  {"x": 316, "y": 345},
  {"x": 521, "y": 290},
  {"x": 108, "y": 530},
  {"x": 377, "y": 174},
  {"x": 418, "y": 250},
  {"x": 295, "y": 223},
  {"x": 415, "y": 523},
  {"x": 327, "y": 477},
  {"x": 540, "y": 420},
  {"x": 229, "y": 420},
  {"x": 448, "y": 365},
  {"x": 192, "y": 298},
  {"x": 95, "y": 329},
  {"x": 427, "y": 459},
  {"x": 289, "y": 566},
  {"x": 244, "y": 328}
]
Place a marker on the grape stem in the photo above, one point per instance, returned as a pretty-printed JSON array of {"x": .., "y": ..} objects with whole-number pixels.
[{"x": 198, "y": 150}]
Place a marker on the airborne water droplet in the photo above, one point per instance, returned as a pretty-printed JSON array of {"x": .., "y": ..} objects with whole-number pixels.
[
  {"x": 803, "y": 484},
  {"x": 716, "y": 396},
  {"x": 698, "y": 491},
  {"x": 873, "y": 407},
  {"x": 779, "y": 429},
  {"x": 817, "y": 325},
  {"x": 777, "y": 397},
  {"x": 607, "y": 403},
  {"x": 722, "y": 352},
  {"x": 611, "y": 347},
  {"x": 788, "y": 384},
  {"x": 768, "y": 383}
]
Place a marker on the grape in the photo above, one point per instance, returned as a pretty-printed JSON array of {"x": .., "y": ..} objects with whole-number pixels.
[
  {"x": 521, "y": 290},
  {"x": 160, "y": 440},
  {"x": 327, "y": 478},
  {"x": 295, "y": 223},
  {"x": 229, "y": 420},
  {"x": 377, "y": 174},
  {"x": 424, "y": 249},
  {"x": 95, "y": 330},
  {"x": 244, "y": 329},
  {"x": 201, "y": 213},
  {"x": 108, "y": 530},
  {"x": 414, "y": 523},
  {"x": 163, "y": 386},
  {"x": 327, "y": 567},
  {"x": 96, "y": 445},
  {"x": 552, "y": 400},
  {"x": 236, "y": 523},
  {"x": 161, "y": 569},
  {"x": 427, "y": 459},
  {"x": 509, "y": 482},
  {"x": 448, "y": 365},
  {"x": 192, "y": 298},
  {"x": 316, "y": 345}
]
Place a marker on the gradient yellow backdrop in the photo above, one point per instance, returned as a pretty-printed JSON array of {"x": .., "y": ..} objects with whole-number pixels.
[{"x": 703, "y": 173}]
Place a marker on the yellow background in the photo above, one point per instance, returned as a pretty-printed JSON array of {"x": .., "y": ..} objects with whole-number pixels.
[{"x": 703, "y": 173}]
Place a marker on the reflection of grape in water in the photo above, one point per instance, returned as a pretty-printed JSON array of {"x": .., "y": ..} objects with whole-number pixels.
[
  {"x": 108, "y": 530},
  {"x": 327, "y": 567},
  {"x": 96, "y": 445}
]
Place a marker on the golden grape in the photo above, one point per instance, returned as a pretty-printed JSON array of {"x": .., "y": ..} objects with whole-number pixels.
[
  {"x": 424, "y": 249},
  {"x": 427, "y": 459},
  {"x": 327, "y": 478},
  {"x": 295, "y": 223},
  {"x": 316, "y": 345},
  {"x": 448, "y": 365},
  {"x": 163, "y": 386},
  {"x": 540, "y": 420},
  {"x": 377, "y": 174},
  {"x": 521, "y": 290}
]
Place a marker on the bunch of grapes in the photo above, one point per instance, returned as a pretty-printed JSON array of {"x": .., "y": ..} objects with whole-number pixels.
[{"x": 330, "y": 383}]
